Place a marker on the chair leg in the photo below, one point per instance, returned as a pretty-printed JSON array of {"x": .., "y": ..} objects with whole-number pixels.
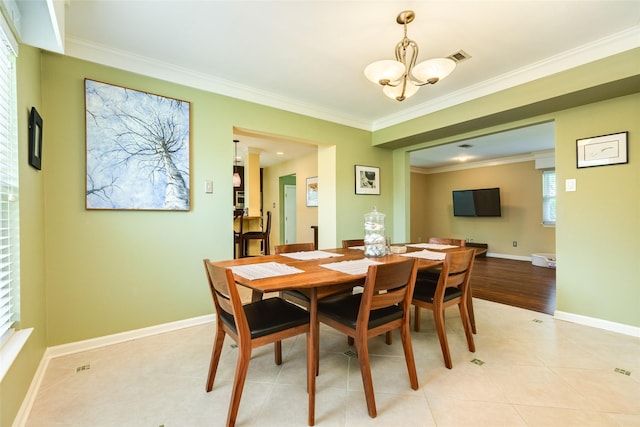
[
  {"x": 350, "y": 341},
  {"x": 416, "y": 318},
  {"x": 466, "y": 323},
  {"x": 365, "y": 372},
  {"x": 405, "y": 336},
  {"x": 277, "y": 349},
  {"x": 388, "y": 338},
  {"x": 438, "y": 315},
  {"x": 215, "y": 357},
  {"x": 472, "y": 317},
  {"x": 244, "y": 357}
]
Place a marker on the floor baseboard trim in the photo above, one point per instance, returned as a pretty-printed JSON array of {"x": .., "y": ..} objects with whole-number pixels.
[
  {"x": 90, "y": 344},
  {"x": 598, "y": 323},
  {"x": 507, "y": 256}
]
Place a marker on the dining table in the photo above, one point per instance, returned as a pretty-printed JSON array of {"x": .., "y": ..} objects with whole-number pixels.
[{"x": 319, "y": 273}]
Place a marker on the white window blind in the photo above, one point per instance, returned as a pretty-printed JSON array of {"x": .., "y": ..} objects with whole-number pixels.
[
  {"x": 549, "y": 197},
  {"x": 9, "y": 228}
]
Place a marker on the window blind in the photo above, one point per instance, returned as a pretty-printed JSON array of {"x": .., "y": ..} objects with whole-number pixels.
[
  {"x": 549, "y": 197},
  {"x": 9, "y": 229}
]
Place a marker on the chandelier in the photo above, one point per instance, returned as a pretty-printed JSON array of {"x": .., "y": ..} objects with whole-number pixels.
[
  {"x": 237, "y": 181},
  {"x": 402, "y": 78}
]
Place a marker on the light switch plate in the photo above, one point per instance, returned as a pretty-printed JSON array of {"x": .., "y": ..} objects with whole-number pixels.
[
  {"x": 208, "y": 186},
  {"x": 570, "y": 184}
]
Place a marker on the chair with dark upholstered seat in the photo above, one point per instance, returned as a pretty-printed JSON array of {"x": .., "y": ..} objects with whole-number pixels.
[
  {"x": 238, "y": 217},
  {"x": 384, "y": 305},
  {"x": 262, "y": 235},
  {"x": 451, "y": 288},
  {"x": 252, "y": 325},
  {"x": 433, "y": 273}
]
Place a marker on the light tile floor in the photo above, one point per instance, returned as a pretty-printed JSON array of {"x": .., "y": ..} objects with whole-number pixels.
[{"x": 531, "y": 370}]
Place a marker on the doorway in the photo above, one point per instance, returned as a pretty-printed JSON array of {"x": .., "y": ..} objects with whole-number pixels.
[{"x": 289, "y": 213}]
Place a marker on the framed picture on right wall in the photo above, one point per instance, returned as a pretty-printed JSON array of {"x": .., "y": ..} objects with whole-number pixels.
[{"x": 602, "y": 150}]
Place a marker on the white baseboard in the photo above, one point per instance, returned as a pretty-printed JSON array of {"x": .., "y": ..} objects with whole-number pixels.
[
  {"x": 75, "y": 347},
  {"x": 507, "y": 256},
  {"x": 598, "y": 323}
]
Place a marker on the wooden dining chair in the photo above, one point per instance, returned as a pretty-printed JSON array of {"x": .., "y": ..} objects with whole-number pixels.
[
  {"x": 251, "y": 325},
  {"x": 383, "y": 306},
  {"x": 451, "y": 288},
  {"x": 302, "y": 297},
  {"x": 293, "y": 247},
  {"x": 238, "y": 217},
  {"x": 352, "y": 242},
  {"x": 447, "y": 241},
  {"x": 262, "y": 235},
  {"x": 433, "y": 273}
]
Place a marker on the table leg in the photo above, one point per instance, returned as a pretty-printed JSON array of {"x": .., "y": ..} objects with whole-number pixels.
[
  {"x": 312, "y": 354},
  {"x": 315, "y": 326}
]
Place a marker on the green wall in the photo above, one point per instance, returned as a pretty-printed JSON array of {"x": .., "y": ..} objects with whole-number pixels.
[
  {"x": 32, "y": 256},
  {"x": 599, "y": 224},
  {"x": 113, "y": 271}
]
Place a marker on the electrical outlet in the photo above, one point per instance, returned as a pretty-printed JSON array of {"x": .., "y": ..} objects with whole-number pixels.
[{"x": 515, "y": 243}]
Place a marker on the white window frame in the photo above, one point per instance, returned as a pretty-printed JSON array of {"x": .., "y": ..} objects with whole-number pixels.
[
  {"x": 549, "y": 189},
  {"x": 11, "y": 340}
]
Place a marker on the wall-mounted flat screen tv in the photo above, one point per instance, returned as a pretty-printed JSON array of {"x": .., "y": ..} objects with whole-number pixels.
[{"x": 481, "y": 202}]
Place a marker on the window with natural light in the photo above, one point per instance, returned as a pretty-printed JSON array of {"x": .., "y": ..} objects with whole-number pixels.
[
  {"x": 9, "y": 229},
  {"x": 549, "y": 197}
]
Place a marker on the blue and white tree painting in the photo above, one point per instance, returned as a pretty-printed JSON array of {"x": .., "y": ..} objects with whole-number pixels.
[{"x": 137, "y": 149}]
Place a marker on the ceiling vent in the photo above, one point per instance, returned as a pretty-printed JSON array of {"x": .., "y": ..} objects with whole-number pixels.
[{"x": 459, "y": 56}]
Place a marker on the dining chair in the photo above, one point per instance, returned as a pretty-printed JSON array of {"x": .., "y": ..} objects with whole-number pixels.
[
  {"x": 434, "y": 272},
  {"x": 447, "y": 241},
  {"x": 384, "y": 305},
  {"x": 262, "y": 235},
  {"x": 251, "y": 325},
  {"x": 238, "y": 217},
  {"x": 294, "y": 247},
  {"x": 349, "y": 243},
  {"x": 352, "y": 242},
  {"x": 452, "y": 287},
  {"x": 303, "y": 297}
]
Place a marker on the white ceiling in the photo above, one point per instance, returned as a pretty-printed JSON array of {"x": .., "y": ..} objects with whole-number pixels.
[{"x": 308, "y": 56}]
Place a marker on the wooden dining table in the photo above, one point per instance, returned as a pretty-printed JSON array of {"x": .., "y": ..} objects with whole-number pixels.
[{"x": 317, "y": 281}]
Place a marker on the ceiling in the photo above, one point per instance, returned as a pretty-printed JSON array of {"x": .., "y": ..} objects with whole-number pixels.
[{"x": 308, "y": 56}]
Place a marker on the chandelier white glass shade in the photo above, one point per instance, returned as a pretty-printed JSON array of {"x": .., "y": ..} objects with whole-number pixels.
[
  {"x": 237, "y": 181},
  {"x": 402, "y": 78}
]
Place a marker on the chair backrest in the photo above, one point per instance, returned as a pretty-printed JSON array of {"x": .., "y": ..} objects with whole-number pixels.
[
  {"x": 352, "y": 242},
  {"x": 447, "y": 241},
  {"x": 386, "y": 285},
  {"x": 226, "y": 298},
  {"x": 238, "y": 215},
  {"x": 294, "y": 247},
  {"x": 267, "y": 228},
  {"x": 456, "y": 271}
]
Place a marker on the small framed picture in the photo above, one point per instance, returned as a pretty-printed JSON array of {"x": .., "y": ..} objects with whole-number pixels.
[
  {"x": 602, "y": 150},
  {"x": 312, "y": 191},
  {"x": 35, "y": 139},
  {"x": 367, "y": 179}
]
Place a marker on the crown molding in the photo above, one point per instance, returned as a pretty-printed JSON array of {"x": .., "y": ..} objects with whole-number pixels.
[
  {"x": 115, "y": 58},
  {"x": 480, "y": 164}
]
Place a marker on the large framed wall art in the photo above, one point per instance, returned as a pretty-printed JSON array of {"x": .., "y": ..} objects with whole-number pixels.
[{"x": 137, "y": 149}]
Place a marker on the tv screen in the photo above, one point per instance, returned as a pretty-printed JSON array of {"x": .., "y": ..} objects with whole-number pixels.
[{"x": 480, "y": 202}]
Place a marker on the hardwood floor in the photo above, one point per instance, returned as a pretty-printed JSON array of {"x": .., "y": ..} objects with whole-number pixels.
[{"x": 515, "y": 283}]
